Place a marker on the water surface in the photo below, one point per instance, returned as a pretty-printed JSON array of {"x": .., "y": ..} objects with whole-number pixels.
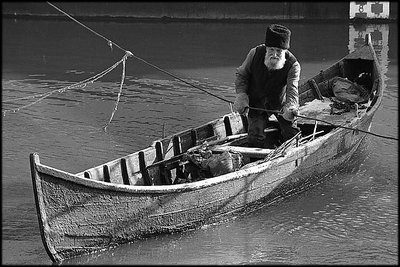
[{"x": 350, "y": 218}]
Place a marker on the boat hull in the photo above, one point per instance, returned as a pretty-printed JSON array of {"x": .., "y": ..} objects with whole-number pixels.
[
  {"x": 133, "y": 197},
  {"x": 78, "y": 218}
]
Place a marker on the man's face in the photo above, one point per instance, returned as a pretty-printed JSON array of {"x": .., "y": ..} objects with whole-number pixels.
[{"x": 274, "y": 58}]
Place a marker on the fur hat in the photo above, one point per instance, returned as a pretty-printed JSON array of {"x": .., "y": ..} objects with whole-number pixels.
[{"x": 277, "y": 36}]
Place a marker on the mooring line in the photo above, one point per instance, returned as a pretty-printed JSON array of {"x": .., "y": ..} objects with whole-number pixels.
[
  {"x": 61, "y": 90},
  {"x": 348, "y": 128},
  {"x": 119, "y": 95},
  {"x": 110, "y": 42},
  {"x": 335, "y": 125},
  {"x": 81, "y": 83},
  {"x": 83, "y": 25}
]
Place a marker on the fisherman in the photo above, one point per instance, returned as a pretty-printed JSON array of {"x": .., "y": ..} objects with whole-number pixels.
[{"x": 268, "y": 79}]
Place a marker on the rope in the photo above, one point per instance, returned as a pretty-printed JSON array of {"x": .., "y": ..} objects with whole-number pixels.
[
  {"x": 182, "y": 80},
  {"x": 348, "y": 128},
  {"x": 138, "y": 58},
  {"x": 110, "y": 43},
  {"x": 119, "y": 93},
  {"x": 335, "y": 125},
  {"x": 81, "y": 84}
]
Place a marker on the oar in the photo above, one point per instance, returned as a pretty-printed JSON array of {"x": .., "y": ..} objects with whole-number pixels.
[{"x": 219, "y": 141}]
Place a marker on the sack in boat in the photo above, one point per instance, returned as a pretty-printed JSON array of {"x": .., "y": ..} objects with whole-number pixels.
[
  {"x": 223, "y": 163},
  {"x": 348, "y": 91},
  {"x": 204, "y": 164},
  {"x": 194, "y": 170}
]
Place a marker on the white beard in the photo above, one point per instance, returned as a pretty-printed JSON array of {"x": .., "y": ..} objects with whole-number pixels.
[{"x": 274, "y": 64}]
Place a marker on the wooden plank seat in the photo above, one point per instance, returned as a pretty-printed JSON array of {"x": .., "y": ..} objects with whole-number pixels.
[
  {"x": 270, "y": 130},
  {"x": 176, "y": 161},
  {"x": 253, "y": 152}
]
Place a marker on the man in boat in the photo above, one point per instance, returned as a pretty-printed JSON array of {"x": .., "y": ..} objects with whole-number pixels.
[{"x": 268, "y": 80}]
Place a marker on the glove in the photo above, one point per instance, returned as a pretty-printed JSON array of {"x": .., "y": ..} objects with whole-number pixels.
[
  {"x": 289, "y": 112},
  {"x": 241, "y": 104}
]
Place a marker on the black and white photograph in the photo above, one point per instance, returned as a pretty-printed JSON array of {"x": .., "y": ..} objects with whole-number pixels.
[{"x": 199, "y": 133}]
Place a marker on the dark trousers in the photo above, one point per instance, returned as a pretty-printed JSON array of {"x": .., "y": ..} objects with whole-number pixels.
[{"x": 258, "y": 121}]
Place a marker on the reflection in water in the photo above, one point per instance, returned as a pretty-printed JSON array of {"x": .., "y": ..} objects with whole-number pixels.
[{"x": 379, "y": 37}]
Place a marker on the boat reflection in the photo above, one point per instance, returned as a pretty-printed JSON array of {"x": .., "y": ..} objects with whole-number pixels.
[{"x": 379, "y": 37}]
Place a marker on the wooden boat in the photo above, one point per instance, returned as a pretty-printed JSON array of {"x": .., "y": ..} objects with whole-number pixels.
[{"x": 145, "y": 193}]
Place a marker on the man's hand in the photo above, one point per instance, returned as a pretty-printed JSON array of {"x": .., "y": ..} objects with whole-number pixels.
[
  {"x": 241, "y": 104},
  {"x": 289, "y": 112}
]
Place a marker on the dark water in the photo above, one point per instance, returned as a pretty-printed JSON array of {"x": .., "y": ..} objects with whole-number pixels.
[{"x": 350, "y": 218}]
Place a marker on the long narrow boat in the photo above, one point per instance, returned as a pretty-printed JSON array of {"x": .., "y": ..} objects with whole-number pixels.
[{"x": 206, "y": 174}]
